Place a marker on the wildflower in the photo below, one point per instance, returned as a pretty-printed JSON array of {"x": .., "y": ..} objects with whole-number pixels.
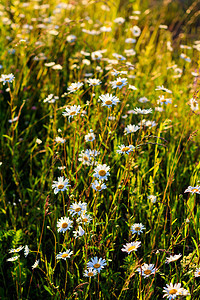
[
  {"x": 72, "y": 111},
  {"x": 16, "y": 250},
  {"x": 78, "y": 208},
  {"x": 35, "y": 264},
  {"x": 51, "y": 98},
  {"x": 185, "y": 57},
  {"x": 57, "y": 67},
  {"x": 162, "y": 88},
  {"x": 116, "y": 73},
  {"x": 147, "y": 270},
  {"x": 74, "y": 87},
  {"x": 38, "y": 141},
  {"x": 97, "y": 264},
  {"x": 60, "y": 185},
  {"x": 136, "y": 31},
  {"x": 147, "y": 123},
  {"x": 71, "y": 38},
  {"x": 183, "y": 292},
  {"x": 191, "y": 189},
  {"x": 84, "y": 218},
  {"x": 105, "y": 29},
  {"x": 98, "y": 185},
  {"x": 14, "y": 258},
  {"x": 59, "y": 140},
  {"x": 13, "y": 120},
  {"x": 79, "y": 232},
  {"x": 50, "y": 64},
  {"x": 171, "y": 291},
  {"x": 61, "y": 168},
  {"x": 162, "y": 100},
  {"x": 137, "y": 228},
  {"x": 26, "y": 251},
  {"x": 197, "y": 272},
  {"x": 132, "y": 87},
  {"x": 118, "y": 56},
  {"x": 129, "y": 247},
  {"x": 97, "y": 55},
  {"x": 101, "y": 172},
  {"x": 130, "y": 52},
  {"x": 142, "y": 111},
  {"x": 130, "y": 41},
  {"x": 131, "y": 129},
  {"x": 119, "y": 20},
  {"x": 84, "y": 157},
  {"x": 90, "y": 137},
  {"x": 90, "y": 272},
  {"x": 143, "y": 100},
  {"x": 109, "y": 100},
  {"x": 64, "y": 255},
  {"x": 94, "y": 82},
  {"x": 125, "y": 149},
  {"x": 7, "y": 78},
  {"x": 64, "y": 224},
  {"x": 172, "y": 258},
  {"x": 152, "y": 198},
  {"x": 119, "y": 83}
]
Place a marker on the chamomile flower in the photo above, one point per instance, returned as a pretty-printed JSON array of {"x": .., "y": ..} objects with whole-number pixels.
[
  {"x": 171, "y": 290},
  {"x": 51, "y": 99},
  {"x": 35, "y": 265},
  {"x": 125, "y": 149},
  {"x": 60, "y": 185},
  {"x": 26, "y": 251},
  {"x": 84, "y": 157},
  {"x": 64, "y": 255},
  {"x": 78, "y": 233},
  {"x": 101, "y": 172},
  {"x": 132, "y": 87},
  {"x": 90, "y": 137},
  {"x": 71, "y": 38},
  {"x": 59, "y": 140},
  {"x": 197, "y": 272},
  {"x": 183, "y": 292},
  {"x": 193, "y": 190},
  {"x": 77, "y": 208},
  {"x": 142, "y": 111},
  {"x": 162, "y": 88},
  {"x": 84, "y": 218},
  {"x": 147, "y": 270},
  {"x": 74, "y": 87},
  {"x": 172, "y": 258},
  {"x": 162, "y": 100},
  {"x": 16, "y": 250},
  {"x": 64, "y": 224},
  {"x": 137, "y": 228},
  {"x": 14, "y": 258},
  {"x": 136, "y": 31},
  {"x": 97, "y": 264},
  {"x": 147, "y": 123},
  {"x": 119, "y": 83},
  {"x": 130, "y": 247},
  {"x": 152, "y": 198},
  {"x": 96, "y": 55},
  {"x": 98, "y": 186},
  {"x": 7, "y": 78},
  {"x": 130, "y": 41},
  {"x": 71, "y": 111},
  {"x": 143, "y": 100},
  {"x": 109, "y": 100},
  {"x": 118, "y": 56},
  {"x": 90, "y": 272},
  {"x": 119, "y": 20},
  {"x": 94, "y": 82},
  {"x": 131, "y": 129}
]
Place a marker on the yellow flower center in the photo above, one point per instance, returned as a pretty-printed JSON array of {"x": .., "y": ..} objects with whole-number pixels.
[
  {"x": 199, "y": 273},
  {"x": 131, "y": 248},
  {"x": 125, "y": 149},
  {"x": 108, "y": 102},
  {"x": 90, "y": 138},
  {"x": 60, "y": 186},
  {"x": 96, "y": 266},
  {"x": 64, "y": 225},
  {"x": 77, "y": 209},
  {"x": 86, "y": 158},
  {"x": 90, "y": 273},
  {"x": 65, "y": 255},
  {"x": 137, "y": 228},
  {"x": 102, "y": 172},
  {"x": 194, "y": 190},
  {"x": 119, "y": 83},
  {"x": 85, "y": 219},
  {"x": 98, "y": 188},
  {"x": 173, "y": 291},
  {"x": 147, "y": 272},
  {"x": 72, "y": 113}
]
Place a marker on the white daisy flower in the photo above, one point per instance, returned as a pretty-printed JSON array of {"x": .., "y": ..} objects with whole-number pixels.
[
  {"x": 162, "y": 88},
  {"x": 77, "y": 208},
  {"x": 105, "y": 29},
  {"x": 183, "y": 292},
  {"x": 101, "y": 172},
  {"x": 97, "y": 264},
  {"x": 16, "y": 250},
  {"x": 137, "y": 228},
  {"x": 185, "y": 57},
  {"x": 71, "y": 111},
  {"x": 136, "y": 31},
  {"x": 98, "y": 186},
  {"x": 64, "y": 224},
  {"x": 147, "y": 270},
  {"x": 90, "y": 137},
  {"x": 152, "y": 198},
  {"x": 35, "y": 264},
  {"x": 109, "y": 100},
  {"x": 7, "y": 78},
  {"x": 162, "y": 100},
  {"x": 116, "y": 73},
  {"x": 142, "y": 111},
  {"x": 71, "y": 38},
  {"x": 119, "y": 56},
  {"x": 143, "y": 100},
  {"x": 90, "y": 272},
  {"x": 26, "y": 251},
  {"x": 59, "y": 140},
  {"x": 119, "y": 83},
  {"x": 51, "y": 99},
  {"x": 84, "y": 157},
  {"x": 129, "y": 247},
  {"x": 125, "y": 149},
  {"x": 14, "y": 258},
  {"x": 172, "y": 258},
  {"x": 64, "y": 255},
  {"x": 130, "y": 52},
  {"x": 60, "y": 185},
  {"x": 78, "y": 233},
  {"x": 191, "y": 189},
  {"x": 74, "y": 87},
  {"x": 171, "y": 290},
  {"x": 132, "y": 87},
  {"x": 119, "y": 20},
  {"x": 96, "y": 55},
  {"x": 84, "y": 218},
  {"x": 131, "y": 129},
  {"x": 197, "y": 272},
  {"x": 94, "y": 82},
  {"x": 130, "y": 41},
  {"x": 147, "y": 123}
]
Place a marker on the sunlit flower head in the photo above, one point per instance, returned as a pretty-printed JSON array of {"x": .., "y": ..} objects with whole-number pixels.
[
  {"x": 64, "y": 255},
  {"x": 78, "y": 233},
  {"x": 101, "y": 172},
  {"x": 60, "y": 185},
  {"x": 162, "y": 100},
  {"x": 136, "y": 31},
  {"x": 84, "y": 218},
  {"x": 171, "y": 290},
  {"x": 7, "y": 78},
  {"x": 119, "y": 20},
  {"x": 130, "y": 41},
  {"x": 143, "y": 100},
  {"x": 35, "y": 265},
  {"x": 147, "y": 123},
  {"x": 119, "y": 56},
  {"x": 71, "y": 111},
  {"x": 98, "y": 186},
  {"x": 26, "y": 251},
  {"x": 142, "y": 111},
  {"x": 97, "y": 263},
  {"x": 173, "y": 258},
  {"x": 109, "y": 100},
  {"x": 14, "y": 258},
  {"x": 90, "y": 137},
  {"x": 197, "y": 272},
  {"x": 137, "y": 228},
  {"x": 119, "y": 83},
  {"x": 74, "y": 87},
  {"x": 71, "y": 38},
  {"x": 64, "y": 224},
  {"x": 125, "y": 149},
  {"x": 97, "y": 55},
  {"x": 51, "y": 99},
  {"x": 94, "y": 82},
  {"x": 130, "y": 247},
  {"x": 147, "y": 270},
  {"x": 16, "y": 250},
  {"x": 59, "y": 140},
  {"x": 131, "y": 129},
  {"x": 152, "y": 198},
  {"x": 77, "y": 208},
  {"x": 90, "y": 272},
  {"x": 162, "y": 88},
  {"x": 193, "y": 190}
]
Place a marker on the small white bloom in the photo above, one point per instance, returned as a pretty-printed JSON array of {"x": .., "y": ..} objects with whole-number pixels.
[
  {"x": 172, "y": 258},
  {"x": 90, "y": 272},
  {"x": 71, "y": 111},
  {"x": 97, "y": 264},
  {"x": 7, "y": 78},
  {"x": 98, "y": 186},
  {"x": 136, "y": 31},
  {"x": 60, "y": 185},
  {"x": 64, "y": 255},
  {"x": 152, "y": 198},
  {"x": 14, "y": 258},
  {"x": 193, "y": 190},
  {"x": 109, "y": 100},
  {"x": 125, "y": 149},
  {"x": 77, "y": 208},
  {"x": 35, "y": 264},
  {"x": 131, "y": 129},
  {"x": 16, "y": 250},
  {"x": 147, "y": 270},
  {"x": 101, "y": 172},
  {"x": 74, "y": 87},
  {"x": 26, "y": 251},
  {"x": 129, "y": 247},
  {"x": 93, "y": 82},
  {"x": 78, "y": 233},
  {"x": 137, "y": 228},
  {"x": 119, "y": 83},
  {"x": 64, "y": 224}
]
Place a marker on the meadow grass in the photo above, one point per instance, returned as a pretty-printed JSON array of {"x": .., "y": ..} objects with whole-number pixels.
[{"x": 91, "y": 207}]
